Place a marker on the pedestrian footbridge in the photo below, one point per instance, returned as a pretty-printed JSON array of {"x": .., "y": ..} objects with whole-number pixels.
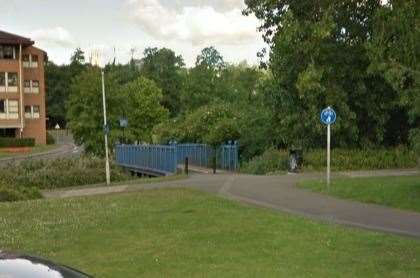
[{"x": 164, "y": 160}]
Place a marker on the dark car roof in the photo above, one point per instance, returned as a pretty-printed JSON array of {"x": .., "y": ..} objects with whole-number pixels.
[{"x": 15, "y": 265}]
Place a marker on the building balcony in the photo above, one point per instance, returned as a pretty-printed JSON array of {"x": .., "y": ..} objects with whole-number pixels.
[{"x": 10, "y": 123}]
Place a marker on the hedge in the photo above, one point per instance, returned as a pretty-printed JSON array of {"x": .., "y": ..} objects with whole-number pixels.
[
  {"x": 368, "y": 159},
  {"x": 6, "y": 142},
  {"x": 24, "y": 180},
  {"x": 50, "y": 139},
  {"x": 342, "y": 159}
]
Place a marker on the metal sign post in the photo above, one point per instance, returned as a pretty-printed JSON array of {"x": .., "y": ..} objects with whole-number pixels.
[
  {"x": 328, "y": 117},
  {"x": 106, "y": 127}
]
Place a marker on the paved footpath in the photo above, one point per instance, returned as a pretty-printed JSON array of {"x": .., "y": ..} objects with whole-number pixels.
[
  {"x": 65, "y": 150},
  {"x": 281, "y": 193}
]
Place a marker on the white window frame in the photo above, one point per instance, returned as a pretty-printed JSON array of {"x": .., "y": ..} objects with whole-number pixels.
[
  {"x": 30, "y": 63},
  {"x": 33, "y": 64},
  {"x": 33, "y": 114},
  {"x": 12, "y": 89},
  {"x": 3, "y": 88},
  {"x": 8, "y": 115},
  {"x": 31, "y": 89},
  {"x": 16, "y": 114}
]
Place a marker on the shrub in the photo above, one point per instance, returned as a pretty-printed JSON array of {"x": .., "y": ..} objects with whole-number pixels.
[
  {"x": 270, "y": 161},
  {"x": 341, "y": 159},
  {"x": 23, "y": 180},
  {"x": 369, "y": 159},
  {"x": 6, "y": 142},
  {"x": 50, "y": 139},
  {"x": 11, "y": 194}
]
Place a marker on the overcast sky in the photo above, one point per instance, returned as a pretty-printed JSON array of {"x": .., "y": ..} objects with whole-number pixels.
[{"x": 186, "y": 26}]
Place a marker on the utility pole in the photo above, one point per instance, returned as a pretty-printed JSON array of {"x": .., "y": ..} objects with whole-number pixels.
[{"x": 106, "y": 131}]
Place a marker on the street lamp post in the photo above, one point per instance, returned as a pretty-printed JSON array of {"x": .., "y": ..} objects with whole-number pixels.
[{"x": 106, "y": 130}]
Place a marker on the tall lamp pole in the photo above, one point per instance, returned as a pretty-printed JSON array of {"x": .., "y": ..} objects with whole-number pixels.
[{"x": 106, "y": 130}]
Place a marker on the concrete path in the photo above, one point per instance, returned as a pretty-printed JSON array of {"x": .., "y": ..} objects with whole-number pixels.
[{"x": 281, "y": 193}]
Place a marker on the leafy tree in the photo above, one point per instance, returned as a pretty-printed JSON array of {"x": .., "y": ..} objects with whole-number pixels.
[
  {"x": 164, "y": 67},
  {"x": 58, "y": 80},
  {"x": 138, "y": 100},
  {"x": 78, "y": 57},
  {"x": 57, "y": 90},
  {"x": 202, "y": 84},
  {"x": 85, "y": 111},
  {"x": 195, "y": 127},
  {"x": 142, "y": 107},
  {"x": 395, "y": 54},
  {"x": 210, "y": 58},
  {"x": 318, "y": 58}
]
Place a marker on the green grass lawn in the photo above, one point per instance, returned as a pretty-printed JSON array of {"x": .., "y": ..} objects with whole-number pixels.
[
  {"x": 397, "y": 192},
  {"x": 185, "y": 233},
  {"x": 34, "y": 150}
]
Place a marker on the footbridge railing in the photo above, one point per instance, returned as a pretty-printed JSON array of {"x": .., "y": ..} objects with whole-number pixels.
[
  {"x": 155, "y": 160},
  {"x": 164, "y": 160}
]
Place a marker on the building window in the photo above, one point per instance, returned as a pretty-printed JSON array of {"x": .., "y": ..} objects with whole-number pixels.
[
  {"x": 12, "y": 82},
  {"x": 32, "y": 112},
  {"x": 31, "y": 86},
  {"x": 13, "y": 109},
  {"x": 27, "y": 86},
  {"x": 26, "y": 60},
  {"x": 3, "y": 114},
  {"x": 28, "y": 112},
  {"x": 30, "y": 61},
  {"x": 12, "y": 79},
  {"x": 7, "y": 52},
  {"x": 2, "y": 82},
  {"x": 35, "y": 86},
  {"x": 9, "y": 109},
  {"x": 34, "y": 61},
  {"x": 35, "y": 111}
]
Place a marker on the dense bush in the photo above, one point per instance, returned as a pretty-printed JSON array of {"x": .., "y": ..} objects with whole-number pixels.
[
  {"x": 21, "y": 181},
  {"x": 50, "y": 139},
  {"x": 270, "y": 161},
  {"x": 13, "y": 194},
  {"x": 361, "y": 159},
  {"x": 276, "y": 160},
  {"x": 6, "y": 142}
]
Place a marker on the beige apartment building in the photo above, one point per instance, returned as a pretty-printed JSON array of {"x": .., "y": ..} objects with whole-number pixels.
[{"x": 22, "y": 88}]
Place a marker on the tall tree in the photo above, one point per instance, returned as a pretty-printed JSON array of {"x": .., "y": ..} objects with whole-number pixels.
[
  {"x": 318, "y": 58},
  {"x": 165, "y": 68},
  {"x": 395, "y": 54},
  {"x": 58, "y": 79},
  {"x": 138, "y": 101},
  {"x": 78, "y": 56},
  {"x": 84, "y": 110},
  {"x": 202, "y": 82},
  {"x": 141, "y": 99}
]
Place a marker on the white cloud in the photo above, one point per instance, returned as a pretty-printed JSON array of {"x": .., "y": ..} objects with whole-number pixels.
[
  {"x": 56, "y": 36},
  {"x": 202, "y": 22}
]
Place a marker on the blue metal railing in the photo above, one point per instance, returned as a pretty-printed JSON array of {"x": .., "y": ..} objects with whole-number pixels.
[
  {"x": 151, "y": 158},
  {"x": 198, "y": 154},
  {"x": 163, "y": 160},
  {"x": 228, "y": 157}
]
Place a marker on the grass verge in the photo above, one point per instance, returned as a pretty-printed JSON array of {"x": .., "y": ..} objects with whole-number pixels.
[
  {"x": 185, "y": 233},
  {"x": 397, "y": 192}
]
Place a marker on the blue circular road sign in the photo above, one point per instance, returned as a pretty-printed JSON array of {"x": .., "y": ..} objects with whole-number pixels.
[{"x": 328, "y": 116}]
